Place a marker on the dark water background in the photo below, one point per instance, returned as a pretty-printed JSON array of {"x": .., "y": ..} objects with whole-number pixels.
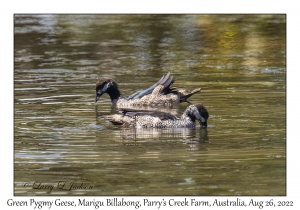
[{"x": 239, "y": 61}]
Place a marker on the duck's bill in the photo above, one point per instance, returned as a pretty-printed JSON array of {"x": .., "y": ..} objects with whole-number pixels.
[
  {"x": 98, "y": 95},
  {"x": 203, "y": 124}
]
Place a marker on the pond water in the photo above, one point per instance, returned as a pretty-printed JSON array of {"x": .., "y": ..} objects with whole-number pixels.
[{"x": 61, "y": 139}]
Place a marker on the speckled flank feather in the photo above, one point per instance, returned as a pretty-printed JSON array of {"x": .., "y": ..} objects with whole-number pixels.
[
  {"x": 159, "y": 94},
  {"x": 156, "y": 119}
]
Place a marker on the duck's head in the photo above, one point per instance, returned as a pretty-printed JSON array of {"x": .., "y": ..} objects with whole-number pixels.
[
  {"x": 198, "y": 112},
  {"x": 109, "y": 86}
]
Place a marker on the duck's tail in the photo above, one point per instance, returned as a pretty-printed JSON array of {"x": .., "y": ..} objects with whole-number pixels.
[{"x": 186, "y": 94}]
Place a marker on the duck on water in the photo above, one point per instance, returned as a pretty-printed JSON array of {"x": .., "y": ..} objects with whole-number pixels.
[
  {"x": 159, "y": 94},
  {"x": 157, "y": 119}
]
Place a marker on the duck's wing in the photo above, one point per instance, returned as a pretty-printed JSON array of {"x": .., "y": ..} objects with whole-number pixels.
[
  {"x": 166, "y": 81},
  {"x": 161, "y": 115}
]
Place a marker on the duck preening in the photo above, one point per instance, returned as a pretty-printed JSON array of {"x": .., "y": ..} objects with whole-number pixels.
[
  {"x": 157, "y": 119},
  {"x": 161, "y": 93}
]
